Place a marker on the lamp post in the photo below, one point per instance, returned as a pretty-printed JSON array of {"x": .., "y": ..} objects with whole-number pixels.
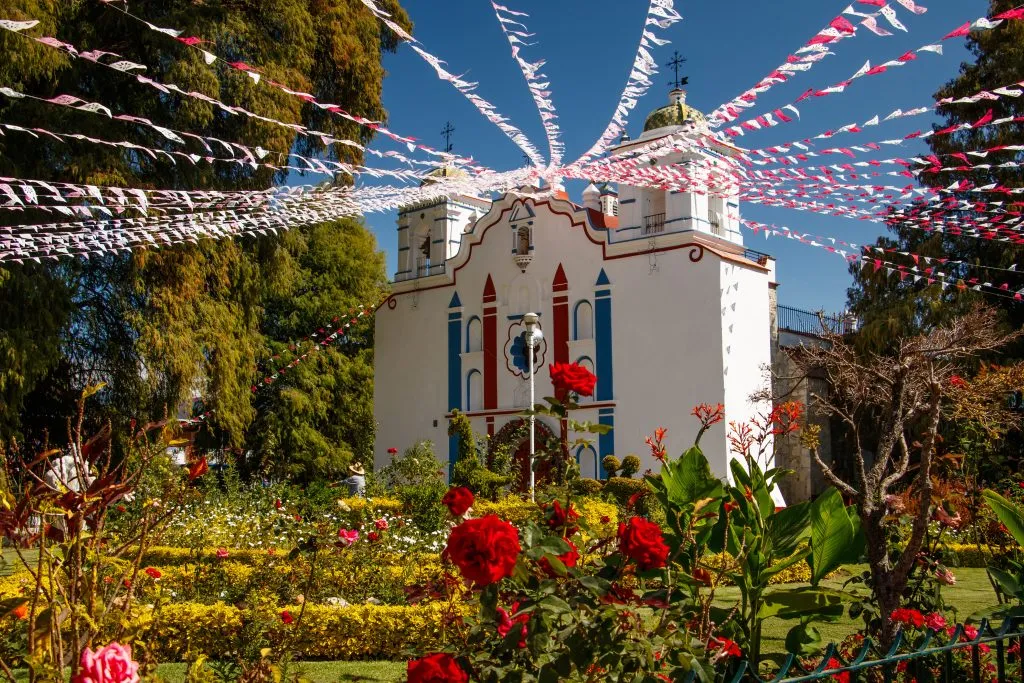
[{"x": 533, "y": 335}]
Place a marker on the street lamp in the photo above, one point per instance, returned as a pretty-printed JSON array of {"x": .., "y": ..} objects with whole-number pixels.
[{"x": 533, "y": 335}]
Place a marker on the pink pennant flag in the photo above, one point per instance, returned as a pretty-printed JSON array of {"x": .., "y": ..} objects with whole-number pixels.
[
  {"x": 987, "y": 118},
  {"x": 909, "y": 5},
  {"x": 874, "y": 3},
  {"x": 1012, "y": 14},
  {"x": 842, "y": 25},
  {"x": 962, "y": 31}
]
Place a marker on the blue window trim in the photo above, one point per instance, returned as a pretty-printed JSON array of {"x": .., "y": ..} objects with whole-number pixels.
[
  {"x": 469, "y": 336},
  {"x": 575, "y": 319},
  {"x": 469, "y": 394}
]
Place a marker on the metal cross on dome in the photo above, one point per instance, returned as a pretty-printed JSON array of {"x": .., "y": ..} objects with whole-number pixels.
[
  {"x": 677, "y": 62},
  {"x": 447, "y": 133}
]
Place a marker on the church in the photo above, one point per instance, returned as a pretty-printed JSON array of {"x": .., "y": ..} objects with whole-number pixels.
[{"x": 652, "y": 290}]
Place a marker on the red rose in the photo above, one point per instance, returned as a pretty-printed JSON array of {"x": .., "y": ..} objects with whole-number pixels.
[
  {"x": 702, "y": 576},
  {"x": 506, "y": 622},
  {"x": 287, "y": 617},
  {"x": 909, "y": 617},
  {"x": 392, "y": 451},
  {"x": 641, "y": 541},
  {"x": 562, "y": 519},
  {"x": 605, "y": 519},
  {"x": 436, "y": 668},
  {"x": 153, "y": 572},
  {"x": 724, "y": 647},
  {"x": 485, "y": 550},
  {"x": 458, "y": 500},
  {"x": 381, "y": 524},
  {"x": 568, "y": 377},
  {"x": 373, "y": 536},
  {"x": 843, "y": 677},
  {"x": 569, "y": 558}
]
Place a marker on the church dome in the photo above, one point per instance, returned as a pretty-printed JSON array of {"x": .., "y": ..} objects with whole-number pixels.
[
  {"x": 675, "y": 113},
  {"x": 443, "y": 172}
]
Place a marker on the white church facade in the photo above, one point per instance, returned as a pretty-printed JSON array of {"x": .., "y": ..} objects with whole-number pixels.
[{"x": 653, "y": 290}]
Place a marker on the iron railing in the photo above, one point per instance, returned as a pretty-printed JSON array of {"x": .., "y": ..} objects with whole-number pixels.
[
  {"x": 871, "y": 663},
  {"x": 758, "y": 257},
  {"x": 421, "y": 271},
  {"x": 809, "y": 322},
  {"x": 653, "y": 224}
]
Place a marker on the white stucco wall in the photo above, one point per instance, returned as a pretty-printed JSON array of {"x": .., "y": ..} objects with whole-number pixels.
[{"x": 689, "y": 325}]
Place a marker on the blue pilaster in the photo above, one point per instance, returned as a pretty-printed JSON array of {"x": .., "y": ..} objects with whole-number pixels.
[
  {"x": 603, "y": 338},
  {"x": 454, "y": 372},
  {"x": 605, "y": 442}
]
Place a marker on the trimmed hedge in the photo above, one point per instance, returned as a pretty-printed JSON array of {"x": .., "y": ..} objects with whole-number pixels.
[
  {"x": 187, "y": 630},
  {"x": 517, "y": 511}
]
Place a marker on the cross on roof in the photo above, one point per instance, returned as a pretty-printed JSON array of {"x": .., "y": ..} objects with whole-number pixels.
[
  {"x": 677, "y": 62},
  {"x": 447, "y": 133}
]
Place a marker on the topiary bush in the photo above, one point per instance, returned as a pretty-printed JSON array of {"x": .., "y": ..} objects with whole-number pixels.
[
  {"x": 611, "y": 465},
  {"x": 630, "y": 466},
  {"x": 587, "y": 487}
]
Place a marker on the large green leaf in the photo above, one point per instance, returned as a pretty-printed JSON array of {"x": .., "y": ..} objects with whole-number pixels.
[
  {"x": 788, "y": 527},
  {"x": 1007, "y": 581},
  {"x": 689, "y": 479},
  {"x": 831, "y": 534},
  {"x": 796, "y": 602},
  {"x": 1008, "y": 513}
]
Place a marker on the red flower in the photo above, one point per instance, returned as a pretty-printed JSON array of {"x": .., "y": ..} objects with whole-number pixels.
[
  {"x": 574, "y": 377},
  {"x": 373, "y": 536},
  {"x": 907, "y": 616},
  {"x": 278, "y": 504},
  {"x": 381, "y": 524},
  {"x": 569, "y": 558},
  {"x": 298, "y": 518},
  {"x": 723, "y": 647},
  {"x": 605, "y": 519},
  {"x": 562, "y": 519},
  {"x": 392, "y": 451},
  {"x": 642, "y": 542},
  {"x": 658, "y": 449},
  {"x": 785, "y": 417},
  {"x": 122, "y": 508},
  {"x": 506, "y": 622},
  {"x": 458, "y": 500},
  {"x": 222, "y": 553},
  {"x": 634, "y": 498},
  {"x": 287, "y": 617},
  {"x": 436, "y": 668},
  {"x": 843, "y": 677},
  {"x": 703, "y": 576},
  {"x": 708, "y": 414},
  {"x": 198, "y": 469},
  {"x": 730, "y": 506},
  {"x": 485, "y": 550},
  {"x": 935, "y": 621},
  {"x": 153, "y": 572},
  {"x": 957, "y": 381},
  {"x": 21, "y": 611}
]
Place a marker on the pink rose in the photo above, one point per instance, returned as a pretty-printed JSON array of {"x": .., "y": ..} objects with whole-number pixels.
[
  {"x": 945, "y": 576},
  {"x": 935, "y": 621},
  {"x": 110, "y": 664},
  {"x": 348, "y": 536},
  {"x": 222, "y": 553}
]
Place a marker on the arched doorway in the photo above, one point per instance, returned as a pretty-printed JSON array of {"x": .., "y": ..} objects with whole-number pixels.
[{"x": 517, "y": 433}]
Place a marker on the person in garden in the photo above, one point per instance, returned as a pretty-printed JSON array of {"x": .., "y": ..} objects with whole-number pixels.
[{"x": 356, "y": 481}]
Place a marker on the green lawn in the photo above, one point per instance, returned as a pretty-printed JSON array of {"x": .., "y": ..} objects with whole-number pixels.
[{"x": 319, "y": 672}]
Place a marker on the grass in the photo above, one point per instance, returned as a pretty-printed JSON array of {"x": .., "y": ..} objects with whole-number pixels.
[
  {"x": 971, "y": 593},
  {"x": 318, "y": 672}
]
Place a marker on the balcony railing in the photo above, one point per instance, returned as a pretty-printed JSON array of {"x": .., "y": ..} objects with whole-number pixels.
[
  {"x": 758, "y": 257},
  {"x": 811, "y": 323},
  {"x": 421, "y": 271},
  {"x": 654, "y": 224}
]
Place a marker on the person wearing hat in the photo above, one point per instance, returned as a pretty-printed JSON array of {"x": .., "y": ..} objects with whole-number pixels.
[{"x": 356, "y": 480}]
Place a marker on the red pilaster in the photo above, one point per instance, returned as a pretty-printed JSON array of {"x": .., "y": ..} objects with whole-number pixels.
[
  {"x": 490, "y": 346},
  {"x": 560, "y": 317}
]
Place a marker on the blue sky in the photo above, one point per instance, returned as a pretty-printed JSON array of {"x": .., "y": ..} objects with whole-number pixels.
[{"x": 589, "y": 47}]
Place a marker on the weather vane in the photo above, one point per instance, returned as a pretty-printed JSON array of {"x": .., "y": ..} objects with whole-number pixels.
[
  {"x": 677, "y": 62},
  {"x": 447, "y": 133}
]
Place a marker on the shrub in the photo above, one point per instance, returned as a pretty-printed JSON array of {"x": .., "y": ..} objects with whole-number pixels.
[
  {"x": 611, "y": 465},
  {"x": 630, "y": 466},
  {"x": 518, "y": 511},
  {"x": 587, "y": 487},
  {"x": 184, "y": 631}
]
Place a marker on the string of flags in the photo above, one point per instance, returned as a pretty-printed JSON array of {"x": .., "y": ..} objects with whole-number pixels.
[{"x": 323, "y": 337}]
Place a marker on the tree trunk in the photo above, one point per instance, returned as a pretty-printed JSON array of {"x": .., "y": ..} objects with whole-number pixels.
[{"x": 884, "y": 581}]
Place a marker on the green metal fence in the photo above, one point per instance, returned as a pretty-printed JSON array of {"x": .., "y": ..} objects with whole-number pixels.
[{"x": 993, "y": 654}]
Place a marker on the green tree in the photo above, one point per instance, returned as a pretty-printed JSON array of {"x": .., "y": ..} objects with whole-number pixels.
[
  {"x": 162, "y": 325},
  {"x": 890, "y": 306}
]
